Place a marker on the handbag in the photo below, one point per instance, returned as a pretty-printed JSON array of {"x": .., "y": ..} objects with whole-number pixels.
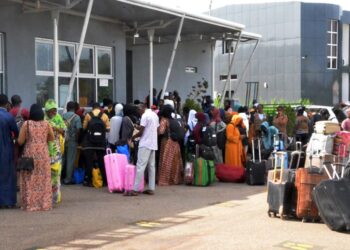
[{"x": 25, "y": 163}]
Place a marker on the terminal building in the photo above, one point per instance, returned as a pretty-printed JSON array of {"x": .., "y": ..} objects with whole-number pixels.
[
  {"x": 303, "y": 53},
  {"x": 115, "y": 49}
]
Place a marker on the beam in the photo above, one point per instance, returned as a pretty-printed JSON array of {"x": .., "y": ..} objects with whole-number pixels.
[
  {"x": 80, "y": 48},
  {"x": 172, "y": 56},
  {"x": 55, "y": 17},
  {"x": 230, "y": 70},
  {"x": 151, "y": 38},
  {"x": 246, "y": 66}
]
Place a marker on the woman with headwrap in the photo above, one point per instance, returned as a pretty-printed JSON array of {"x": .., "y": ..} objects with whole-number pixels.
[
  {"x": 55, "y": 148},
  {"x": 219, "y": 127},
  {"x": 115, "y": 123},
  {"x": 170, "y": 160},
  {"x": 35, "y": 186},
  {"x": 197, "y": 130},
  {"x": 234, "y": 153}
]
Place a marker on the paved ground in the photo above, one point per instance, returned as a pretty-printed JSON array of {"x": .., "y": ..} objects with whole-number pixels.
[{"x": 223, "y": 216}]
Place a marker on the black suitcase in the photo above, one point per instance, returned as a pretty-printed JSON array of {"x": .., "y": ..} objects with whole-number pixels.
[
  {"x": 281, "y": 197},
  {"x": 256, "y": 171},
  {"x": 333, "y": 203}
]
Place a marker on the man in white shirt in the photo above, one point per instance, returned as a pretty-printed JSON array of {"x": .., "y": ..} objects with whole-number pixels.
[{"x": 147, "y": 147}]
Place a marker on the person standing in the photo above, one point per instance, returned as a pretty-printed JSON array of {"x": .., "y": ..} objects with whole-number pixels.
[
  {"x": 234, "y": 152},
  {"x": 280, "y": 121},
  {"x": 170, "y": 160},
  {"x": 302, "y": 129},
  {"x": 73, "y": 123},
  {"x": 20, "y": 114},
  {"x": 147, "y": 147},
  {"x": 36, "y": 189},
  {"x": 115, "y": 123},
  {"x": 55, "y": 148},
  {"x": 219, "y": 127},
  {"x": 96, "y": 124},
  {"x": 8, "y": 130}
]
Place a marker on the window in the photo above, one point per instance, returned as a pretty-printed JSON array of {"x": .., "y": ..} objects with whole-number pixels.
[
  {"x": 2, "y": 65},
  {"x": 228, "y": 46},
  {"x": 94, "y": 79},
  {"x": 332, "y": 44}
]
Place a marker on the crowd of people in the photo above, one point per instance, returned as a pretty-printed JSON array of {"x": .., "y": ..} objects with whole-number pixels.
[{"x": 158, "y": 138}]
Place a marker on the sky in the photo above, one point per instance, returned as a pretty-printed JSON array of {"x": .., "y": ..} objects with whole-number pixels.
[{"x": 198, "y": 6}]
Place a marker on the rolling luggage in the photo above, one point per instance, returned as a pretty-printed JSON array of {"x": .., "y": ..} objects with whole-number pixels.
[
  {"x": 189, "y": 173},
  {"x": 256, "y": 171},
  {"x": 320, "y": 144},
  {"x": 204, "y": 172},
  {"x": 332, "y": 200},
  {"x": 326, "y": 127},
  {"x": 115, "y": 170},
  {"x": 279, "y": 192},
  {"x": 305, "y": 180},
  {"x": 129, "y": 179},
  {"x": 227, "y": 173}
]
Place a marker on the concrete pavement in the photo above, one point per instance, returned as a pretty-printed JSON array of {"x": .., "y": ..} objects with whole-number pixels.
[{"x": 223, "y": 216}]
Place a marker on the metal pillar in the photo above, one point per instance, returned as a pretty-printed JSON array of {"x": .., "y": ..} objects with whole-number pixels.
[
  {"x": 55, "y": 17},
  {"x": 230, "y": 69},
  {"x": 172, "y": 56},
  {"x": 246, "y": 66},
  {"x": 213, "y": 47},
  {"x": 80, "y": 48},
  {"x": 150, "y": 37}
]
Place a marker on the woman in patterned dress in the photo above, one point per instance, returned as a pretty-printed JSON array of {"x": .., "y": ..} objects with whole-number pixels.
[
  {"x": 35, "y": 186},
  {"x": 58, "y": 127},
  {"x": 170, "y": 161}
]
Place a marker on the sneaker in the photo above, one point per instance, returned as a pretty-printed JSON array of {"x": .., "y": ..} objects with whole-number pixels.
[{"x": 149, "y": 192}]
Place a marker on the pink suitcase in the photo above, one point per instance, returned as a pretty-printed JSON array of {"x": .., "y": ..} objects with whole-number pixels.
[
  {"x": 130, "y": 175},
  {"x": 115, "y": 170}
]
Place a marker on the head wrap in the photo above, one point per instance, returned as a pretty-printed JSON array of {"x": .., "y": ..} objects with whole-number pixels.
[
  {"x": 200, "y": 117},
  {"x": 192, "y": 120},
  {"x": 118, "y": 109},
  {"x": 50, "y": 104},
  {"x": 169, "y": 102},
  {"x": 216, "y": 115},
  {"x": 36, "y": 113}
]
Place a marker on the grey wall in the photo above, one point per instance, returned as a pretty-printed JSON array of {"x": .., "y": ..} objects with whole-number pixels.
[
  {"x": 197, "y": 54},
  {"x": 20, "y": 33},
  {"x": 277, "y": 58},
  {"x": 315, "y": 75}
]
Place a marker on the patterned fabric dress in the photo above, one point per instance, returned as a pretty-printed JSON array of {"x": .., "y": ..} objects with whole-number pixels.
[
  {"x": 56, "y": 157},
  {"x": 36, "y": 192},
  {"x": 170, "y": 161}
]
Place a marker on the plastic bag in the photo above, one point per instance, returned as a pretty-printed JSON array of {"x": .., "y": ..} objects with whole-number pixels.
[
  {"x": 78, "y": 175},
  {"x": 97, "y": 181}
]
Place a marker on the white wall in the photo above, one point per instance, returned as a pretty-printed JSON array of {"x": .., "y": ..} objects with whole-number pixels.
[{"x": 345, "y": 57}]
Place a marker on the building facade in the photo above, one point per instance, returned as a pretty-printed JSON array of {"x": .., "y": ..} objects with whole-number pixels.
[{"x": 303, "y": 53}]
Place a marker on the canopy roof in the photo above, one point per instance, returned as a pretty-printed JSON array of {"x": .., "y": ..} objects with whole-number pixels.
[{"x": 138, "y": 16}]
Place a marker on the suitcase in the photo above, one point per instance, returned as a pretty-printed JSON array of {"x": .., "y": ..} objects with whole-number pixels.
[
  {"x": 320, "y": 143},
  {"x": 189, "y": 173},
  {"x": 204, "y": 172},
  {"x": 115, "y": 170},
  {"x": 279, "y": 192},
  {"x": 256, "y": 171},
  {"x": 305, "y": 180},
  {"x": 318, "y": 160},
  {"x": 326, "y": 127},
  {"x": 225, "y": 173},
  {"x": 129, "y": 179},
  {"x": 332, "y": 200}
]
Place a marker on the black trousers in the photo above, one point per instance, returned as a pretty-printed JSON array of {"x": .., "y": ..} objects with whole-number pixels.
[{"x": 92, "y": 155}]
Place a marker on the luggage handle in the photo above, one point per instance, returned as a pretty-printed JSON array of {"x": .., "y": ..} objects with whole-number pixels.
[
  {"x": 259, "y": 149},
  {"x": 108, "y": 151},
  {"x": 280, "y": 155},
  {"x": 298, "y": 146}
]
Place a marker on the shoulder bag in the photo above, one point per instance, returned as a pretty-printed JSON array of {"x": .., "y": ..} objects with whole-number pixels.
[{"x": 25, "y": 163}]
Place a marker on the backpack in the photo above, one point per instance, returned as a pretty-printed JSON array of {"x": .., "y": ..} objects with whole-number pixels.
[
  {"x": 177, "y": 132},
  {"x": 19, "y": 118},
  {"x": 220, "y": 137},
  {"x": 68, "y": 135},
  {"x": 209, "y": 136},
  {"x": 96, "y": 129}
]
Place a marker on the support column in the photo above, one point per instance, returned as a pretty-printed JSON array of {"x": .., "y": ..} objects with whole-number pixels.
[
  {"x": 230, "y": 69},
  {"x": 80, "y": 48},
  {"x": 213, "y": 46},
  {"x": 150, "y": 38},
  {"x": 55, "y": 17},
  {"x": 172, "y": 56}
]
